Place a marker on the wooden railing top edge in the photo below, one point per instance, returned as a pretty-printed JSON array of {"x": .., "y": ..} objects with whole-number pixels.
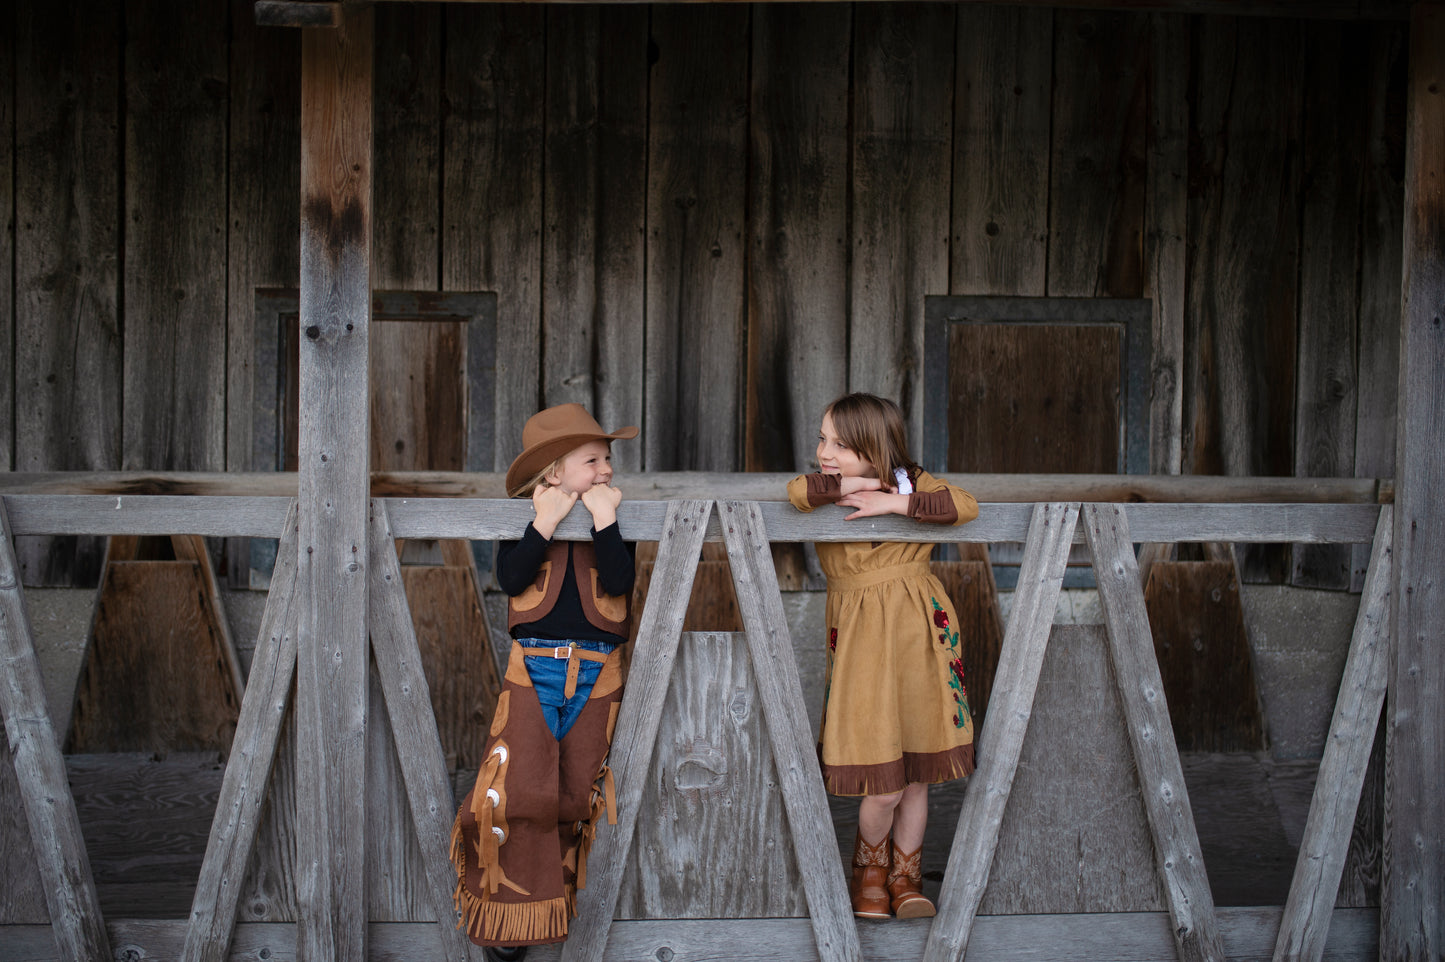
[
  {"x": 493, "y": 519},
  {"x": 736, "y": 486}
]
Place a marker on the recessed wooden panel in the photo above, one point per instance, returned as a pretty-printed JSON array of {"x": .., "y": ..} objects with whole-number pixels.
[
  {"x": 418, "y": 396},
  {"x": 1034, "y": 398}
]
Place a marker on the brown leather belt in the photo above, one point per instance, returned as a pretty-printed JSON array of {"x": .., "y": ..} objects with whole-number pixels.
[{"x": 574, "y": 655}]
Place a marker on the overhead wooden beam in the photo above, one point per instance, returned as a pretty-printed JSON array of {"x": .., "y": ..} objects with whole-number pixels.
[
  {"x": 1412, "y": 897},
  {"x": 334, "y": 485}
]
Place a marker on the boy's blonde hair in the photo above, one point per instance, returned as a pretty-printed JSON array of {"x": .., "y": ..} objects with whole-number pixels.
[
  {"x": 873, "y": 426},
  {"x": 525, "y": 489}
]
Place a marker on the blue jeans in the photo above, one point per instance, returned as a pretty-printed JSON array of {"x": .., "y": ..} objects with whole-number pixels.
[{"x": 549, "y": 680}]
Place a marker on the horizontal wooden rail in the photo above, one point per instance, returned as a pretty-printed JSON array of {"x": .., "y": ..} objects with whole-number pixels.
[
  {"x": 735, "y": 486},
  {"x": 493, "y": 519}
]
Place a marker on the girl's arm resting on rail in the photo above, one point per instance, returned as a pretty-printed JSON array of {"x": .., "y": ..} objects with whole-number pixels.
[
  {"x": 939, "y": 502},
  {"x": 807, "y": 491}
]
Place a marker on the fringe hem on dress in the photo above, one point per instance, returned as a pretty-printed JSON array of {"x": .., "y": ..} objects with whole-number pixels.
[
  {"x": 895, "y": 776},
  {"x": 490, "y": 922}
]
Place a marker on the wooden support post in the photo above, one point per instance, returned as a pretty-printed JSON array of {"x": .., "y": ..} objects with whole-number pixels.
[
  {"x": 418, "y": 746},
  {"x": 248, "y": 769},
  {"x": 334, "y": 448},
  {"x": 637, "y": 721},
  {"x": 1146, "y": 718},
  {"x": 781, "y": 692},
  {"x": 40, "y": 770},
  {"x": 1326, "y": 841},
  {"x": 1412, "y": 897},
  {"x": 1041, "y": 575}
]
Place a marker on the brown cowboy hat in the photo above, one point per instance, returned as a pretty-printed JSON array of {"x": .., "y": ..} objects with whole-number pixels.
[{"x": 551, "y": 434}]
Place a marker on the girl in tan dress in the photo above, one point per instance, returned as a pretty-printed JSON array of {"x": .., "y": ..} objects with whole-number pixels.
[{"x": 895, "y": 710}]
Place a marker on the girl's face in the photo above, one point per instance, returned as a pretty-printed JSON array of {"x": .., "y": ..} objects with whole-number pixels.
[
  {"x": 835, "y": 457},
  {"x": 586, "y": 466}
]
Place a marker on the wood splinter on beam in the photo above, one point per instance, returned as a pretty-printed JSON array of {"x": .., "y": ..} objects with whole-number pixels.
[{"x": 297, "y": 13}]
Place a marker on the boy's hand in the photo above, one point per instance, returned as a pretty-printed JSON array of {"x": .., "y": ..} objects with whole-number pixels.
[
  {"x": 854, "y": 485},
  {"x": 602, "y": 501},
  {"x": 873, "y": 503},
  {"x": 551, "y": 504}
]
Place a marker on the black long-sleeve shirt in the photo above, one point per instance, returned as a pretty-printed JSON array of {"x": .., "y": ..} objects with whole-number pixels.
[{"x": 517, "y": 564}]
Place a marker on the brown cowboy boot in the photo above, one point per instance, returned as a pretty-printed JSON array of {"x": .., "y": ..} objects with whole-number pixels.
[
  {"x": 870, "y": 873},
  {"x": 905, "y": 883}
]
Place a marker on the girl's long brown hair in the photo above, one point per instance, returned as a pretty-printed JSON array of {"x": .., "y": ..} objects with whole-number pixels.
[{"x": 873, "y": 426}]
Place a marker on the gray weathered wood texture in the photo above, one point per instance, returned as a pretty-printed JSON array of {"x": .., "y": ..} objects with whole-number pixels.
[
  {"x": 1141, "y": 936},
  {"x": 697, "y": 155},
  {"x": 175, "y": 235},
  {"x": 1080, "y": 842},
  {"x": 781, "y": 694},
  {"x": 248, "y": 770},
  {"x": 1166, "y": 205},
  {"x": 331, "y": 572},
  {"x": 1323, "y": 850},
  {"x": 67, "y": 353},
  {"x": 715, "y": 812},
  {"x": 22, "y": 900},
  {"x": 7, "y": 243},
  {"x": 653, "y": 657},
  {"x": 1046, "y": 551},
  {"x": 418, "y": 748},
  {"x": 1002, "y": 83},
  {"x": 1166, "y": 801},
  {"x": 901, "y": 145},
  {"x": 76, "y": 922},
  {"x": 797, "y": 317},
  {"x": 1413, "y": 897}
]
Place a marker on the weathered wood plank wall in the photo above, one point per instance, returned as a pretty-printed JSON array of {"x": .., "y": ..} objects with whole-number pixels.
[{"x": 708, "y": 220}]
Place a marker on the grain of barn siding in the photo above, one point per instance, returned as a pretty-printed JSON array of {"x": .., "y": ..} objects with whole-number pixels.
[
  {"x": 797, "y": 214},
  {"x": 902, "y": 142},
  {"x": 67, "y": 210},
  {"x": 492, "y": 153},
  {"x": 175, "y": 235},
  {"x": 22, "y": 899},
  {"x": 696, "y": 180},
  {"x": 7, "y": 243},
  {"x": 1097, "y": 170}
]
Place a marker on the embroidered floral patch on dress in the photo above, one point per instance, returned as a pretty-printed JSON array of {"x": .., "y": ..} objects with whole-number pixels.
[{"x": 948, "y": 638}]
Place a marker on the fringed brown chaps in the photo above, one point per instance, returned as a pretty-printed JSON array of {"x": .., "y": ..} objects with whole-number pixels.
[{"x": 521, "y": 838}]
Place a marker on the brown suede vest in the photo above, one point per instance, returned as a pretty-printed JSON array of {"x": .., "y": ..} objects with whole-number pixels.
[{"x": 608, "y": 612}]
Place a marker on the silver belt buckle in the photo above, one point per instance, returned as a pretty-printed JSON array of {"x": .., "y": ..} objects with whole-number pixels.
[{"x": 562, "y": 651}]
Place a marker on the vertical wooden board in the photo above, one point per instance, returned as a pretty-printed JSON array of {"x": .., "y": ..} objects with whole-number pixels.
[
  {"x": 451, "y": 631},
  {"x": 396, "y": 882},
  {"x": 1199, "y": 639},
  {"x": 902, "y": 146},
  {"x": 156, "y": 677},
  {"x": 1001, "y": 150},
  {"x": 1335, "y": 115},
  {"x": 67, "y": 210},
  {"x": 712, "y": 812},
  {"x": 8, "y": 372},
  {"x": 492, "y": 151},
  {"x": 176, "y": 67},
  {"x": 1166, "y": 208},
  {"x": 418, "y": 395},
  {"x": 269, "y": 892},
  {"x": 264, "y": 197},
  {"x": 1240, "y": 336},
  {"x": 1381, "y": 230},
  {"x": 1364, "y": 863},
  {"x": 697, "y": 157},
  {"x": 1013, "y": 387},
  {"x": 406, "y": 119},
  {"x": 22, "y": 898},
  {"x": 970, "y": 586},
  {"x": 713, "y": 605},
  {"x": 1413, "y": 893},
  {"x": 333, "y": 497},
  {"x": 1075, "y": 838},
  {"x": 621, "y": 224},
  {"x": 1097, "y": 178},
  {"x": 797, "y": 324}
]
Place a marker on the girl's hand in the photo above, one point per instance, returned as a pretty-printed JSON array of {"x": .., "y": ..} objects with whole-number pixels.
[
  {"x": 551, "y": 504},
  {"x": 854, "y": 485},
  {"x": 873, "y": 503},
  {"x": 602, "y": 501}
]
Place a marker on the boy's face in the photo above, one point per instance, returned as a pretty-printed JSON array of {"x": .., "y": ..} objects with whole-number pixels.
[
  {"x": 835, "y": 457},
  {"x": 586, "y": 466}
]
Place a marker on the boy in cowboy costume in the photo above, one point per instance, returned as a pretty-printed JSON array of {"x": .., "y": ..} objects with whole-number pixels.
[{"x": 521, "y": 838}]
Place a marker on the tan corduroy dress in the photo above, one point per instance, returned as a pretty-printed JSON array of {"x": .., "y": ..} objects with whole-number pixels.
[{"x": 895, "y": 709}]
